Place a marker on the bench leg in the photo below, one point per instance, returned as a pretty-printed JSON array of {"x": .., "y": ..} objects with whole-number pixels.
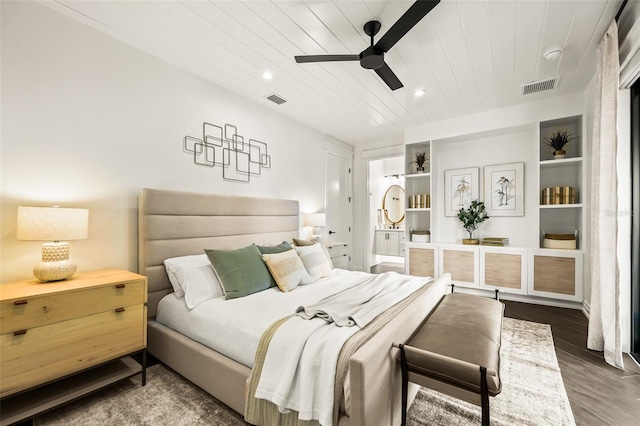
[
  {"x": 484, "y": 396},
  {"x": 405, "y": 384}
]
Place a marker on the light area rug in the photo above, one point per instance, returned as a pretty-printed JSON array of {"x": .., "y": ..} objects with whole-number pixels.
[
  {"x": 532, "y": 394},
  {"x": 532, "y": 389}
]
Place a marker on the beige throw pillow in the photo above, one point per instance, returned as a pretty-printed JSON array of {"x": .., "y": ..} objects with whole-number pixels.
[
  {"x": 315, "y": 240},
  {"x": 287, "y": 269},
  {"x": 315, "y": 261}
]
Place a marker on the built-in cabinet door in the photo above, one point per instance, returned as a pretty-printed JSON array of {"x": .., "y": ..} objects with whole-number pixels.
[
  {"x": 462, "y": 262},
  {"x": 556, "y": 274},
  {"x": 381, "y": 242},
  {"x": 393, "y": 243},
  {"x": 422, "y": 261},
  {"x": 504, "y": 269}
]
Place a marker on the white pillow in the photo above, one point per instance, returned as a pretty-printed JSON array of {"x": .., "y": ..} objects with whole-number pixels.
[
  {"x": 287, "y": 269},
  {"x": 315, "y": 261},
  {"x": 193, "y": 279}
]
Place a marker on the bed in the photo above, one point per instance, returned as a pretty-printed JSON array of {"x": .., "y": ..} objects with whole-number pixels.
[{"x": 173, "y": 224}]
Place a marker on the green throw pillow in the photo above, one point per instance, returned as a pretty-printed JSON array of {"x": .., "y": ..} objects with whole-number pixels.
[
  {"x": 283, "y": 246},
  {"x": 241, "y": 272}
]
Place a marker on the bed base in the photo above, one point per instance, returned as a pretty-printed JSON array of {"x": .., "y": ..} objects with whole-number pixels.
[{"x": 218, "y": 375}]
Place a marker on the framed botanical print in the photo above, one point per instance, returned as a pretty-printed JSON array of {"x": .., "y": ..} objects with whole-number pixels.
[
  {"x": 460, "y": 188},
  {"x": 504, "y": 189}
]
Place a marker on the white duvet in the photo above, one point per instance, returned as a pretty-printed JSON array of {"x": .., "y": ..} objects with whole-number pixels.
[{"x": 234, "y": 327}]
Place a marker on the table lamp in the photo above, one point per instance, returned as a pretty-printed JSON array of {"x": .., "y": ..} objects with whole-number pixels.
[
  {"x": 315, "y": 220},
  {"x": 53, "y": 224}
]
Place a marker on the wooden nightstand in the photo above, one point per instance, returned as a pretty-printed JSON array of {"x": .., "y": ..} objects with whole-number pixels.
[{"x": 49, "y": 331}]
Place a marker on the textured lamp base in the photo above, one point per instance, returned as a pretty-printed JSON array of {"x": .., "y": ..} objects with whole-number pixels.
[{"x": 55, "y": 265}]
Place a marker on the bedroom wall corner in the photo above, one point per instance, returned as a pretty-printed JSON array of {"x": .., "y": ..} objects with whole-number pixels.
[{"x": 89, "y": 120}]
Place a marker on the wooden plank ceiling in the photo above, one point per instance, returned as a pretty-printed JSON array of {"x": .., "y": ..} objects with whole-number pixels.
[{"x": 467, "y": 55}]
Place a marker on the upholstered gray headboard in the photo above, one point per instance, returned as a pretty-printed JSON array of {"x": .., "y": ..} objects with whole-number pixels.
[{"x": 173, "y": 223}]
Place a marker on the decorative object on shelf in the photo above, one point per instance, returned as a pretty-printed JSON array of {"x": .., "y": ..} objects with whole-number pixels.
[
  {"x": 226, "y": 148},
  {"x": 558, "y": 195},
  {"x": 421, "y": 236},
  {"x": 495, "y": 241},
  {"x": 393, "y": 204},
  {"x": 53, "y": 224},
  {"x": 471, "y": 217},
  {"x": 504, "y": 189},
  {"x": 557, "y": 141},
  {"x": 421, "y": 157},
  {"x": 560, "y": 241},
  {"x": 460, "y": 187},
  {"x": 420, "y": 201}
]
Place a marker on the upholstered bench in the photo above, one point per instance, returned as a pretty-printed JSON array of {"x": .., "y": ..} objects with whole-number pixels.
[{"x": 456, "y": 351}]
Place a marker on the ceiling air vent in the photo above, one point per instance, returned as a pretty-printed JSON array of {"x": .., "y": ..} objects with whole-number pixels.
[
  {"x": 540, "y": 86},
  {"x": 276, "y": 99}
]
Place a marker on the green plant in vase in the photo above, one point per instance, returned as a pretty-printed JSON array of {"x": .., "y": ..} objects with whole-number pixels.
[
  {"x": 557, "y": 141},
  {"x": 471, "y": 217},
  {"x": 421, "y": 157}
]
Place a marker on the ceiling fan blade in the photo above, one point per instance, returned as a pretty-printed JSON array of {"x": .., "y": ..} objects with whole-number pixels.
[
  {"x": 389, "y": 77},
  {"x": 411, "y": 17},
  {"x": 326, "y": 58}
]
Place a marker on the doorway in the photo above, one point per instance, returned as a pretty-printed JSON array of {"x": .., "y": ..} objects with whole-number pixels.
[{"x": 385, "y": 227}]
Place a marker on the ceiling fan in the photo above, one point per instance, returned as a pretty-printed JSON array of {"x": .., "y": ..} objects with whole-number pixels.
[{"x": 373, "y": 56}]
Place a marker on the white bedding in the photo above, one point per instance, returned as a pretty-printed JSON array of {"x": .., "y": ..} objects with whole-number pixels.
[{"x": 234, "y": 327}]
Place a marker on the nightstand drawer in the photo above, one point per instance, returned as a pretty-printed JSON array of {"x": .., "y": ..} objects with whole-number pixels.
[
  {"x": 337, "y": 250},
  {"x": 52, "y": 351},
  {"x": 36, "y": 311}
]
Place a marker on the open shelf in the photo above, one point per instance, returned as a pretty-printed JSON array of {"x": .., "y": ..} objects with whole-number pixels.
[
  {"x": 417, "y": 175},
  {"x": 28, "y": 404}
]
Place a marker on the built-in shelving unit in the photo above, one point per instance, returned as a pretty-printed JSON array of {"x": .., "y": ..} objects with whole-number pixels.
[
  {"x": 418, "y": 217},
  {"x": 524, "y": 269},
  {"x": 567, "y": 172}
]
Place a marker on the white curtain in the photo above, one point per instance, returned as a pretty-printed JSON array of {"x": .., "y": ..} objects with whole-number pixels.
[{"x": 604, "y": 320}]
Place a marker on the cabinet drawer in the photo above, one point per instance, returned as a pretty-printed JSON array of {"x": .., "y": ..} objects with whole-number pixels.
[
  {"x": 338, "y": 250},
  {"x": 52, "y": 351},
  {"x": 341, "y": 262},
  {"x": 36, "y": 311}
]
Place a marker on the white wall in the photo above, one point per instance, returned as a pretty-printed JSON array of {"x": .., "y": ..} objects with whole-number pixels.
[
  {"x": 514, "y": 145},
  {"x": 88, "y": 121}
]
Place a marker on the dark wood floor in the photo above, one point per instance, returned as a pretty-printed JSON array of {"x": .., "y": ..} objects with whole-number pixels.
[
  {"x": 599, "y": 394},
  {"x": 387, "y": 266}
]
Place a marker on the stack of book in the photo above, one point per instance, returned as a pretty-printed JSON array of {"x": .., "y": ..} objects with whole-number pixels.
[{"x": 495, "y": 241}]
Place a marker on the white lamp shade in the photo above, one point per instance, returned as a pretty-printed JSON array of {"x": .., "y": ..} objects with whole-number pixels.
[
  {"x": 52, "y": 224},
  {"x": 315, "y": 219}
]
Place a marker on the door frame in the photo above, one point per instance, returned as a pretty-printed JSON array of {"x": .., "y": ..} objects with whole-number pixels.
[{"x": 368, "y": 156}]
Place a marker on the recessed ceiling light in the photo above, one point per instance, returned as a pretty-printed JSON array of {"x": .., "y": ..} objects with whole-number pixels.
[
  {"x": 552, "y": 54},
  {"x": 418, "y": 92},
  {"x": 267, "y": 75}
]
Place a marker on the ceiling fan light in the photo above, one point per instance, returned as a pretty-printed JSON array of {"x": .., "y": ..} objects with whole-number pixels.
[
  {"x": 418, "y": 93},
  {"x": 552, "y": 54},
  {"x": 267, "y": 75}
]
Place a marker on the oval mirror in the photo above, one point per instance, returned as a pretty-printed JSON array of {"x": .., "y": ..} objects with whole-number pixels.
[{"x": 393, "y": 204}]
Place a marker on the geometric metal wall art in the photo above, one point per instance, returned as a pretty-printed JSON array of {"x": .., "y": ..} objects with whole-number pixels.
[{"x": 226, "y": 148}]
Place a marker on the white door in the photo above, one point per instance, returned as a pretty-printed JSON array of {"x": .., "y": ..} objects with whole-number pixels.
[{"x": 339, "y": 200}]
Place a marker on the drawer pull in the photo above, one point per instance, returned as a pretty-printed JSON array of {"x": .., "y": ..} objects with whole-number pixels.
[
  {"x": 20, "y": 302},
  {"x": 120, "y": 310},
  {"x": 120, "y": 286},
  {"x": 19, "y": 332}
]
